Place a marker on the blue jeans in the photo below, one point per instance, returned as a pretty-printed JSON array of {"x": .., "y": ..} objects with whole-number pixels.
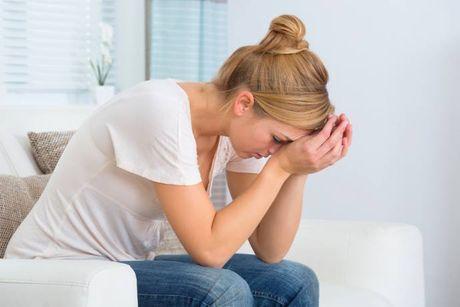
[{"x": 245, "y": 280}]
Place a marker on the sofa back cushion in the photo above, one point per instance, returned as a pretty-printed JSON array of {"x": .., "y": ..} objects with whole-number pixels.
[
  {"x": 47, "y": 147},
  {"x": 17, "y": 196},
  {"x": 16, "y": 156}
]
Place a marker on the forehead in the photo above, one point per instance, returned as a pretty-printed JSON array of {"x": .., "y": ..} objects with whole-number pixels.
[{"x": 288, "y": 131}]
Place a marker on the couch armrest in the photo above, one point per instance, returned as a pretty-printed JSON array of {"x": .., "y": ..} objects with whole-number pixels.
[
  {"x": 70, "y": 283},
  {"x": 386, "y": 258}
]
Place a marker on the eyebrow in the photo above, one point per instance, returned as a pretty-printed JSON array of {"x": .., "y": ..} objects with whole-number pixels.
[{"x": 289, "y": 140}]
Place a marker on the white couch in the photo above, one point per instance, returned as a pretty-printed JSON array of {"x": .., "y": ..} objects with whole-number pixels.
[{"x": 358, "y": 263}]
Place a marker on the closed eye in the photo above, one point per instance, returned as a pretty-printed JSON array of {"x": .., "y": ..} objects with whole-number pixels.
[{"x": 276, "y": 140}]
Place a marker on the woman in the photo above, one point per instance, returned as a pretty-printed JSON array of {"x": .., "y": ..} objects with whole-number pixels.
[{"x": 147, "y": 159}]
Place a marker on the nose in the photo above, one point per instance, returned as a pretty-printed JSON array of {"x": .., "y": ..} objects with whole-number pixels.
[{"x": 272, "y": 149}]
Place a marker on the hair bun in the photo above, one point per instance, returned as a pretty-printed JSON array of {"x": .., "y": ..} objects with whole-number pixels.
[
  {"x": 289, "y": 25},
  {"x": 285, "y": 36}
]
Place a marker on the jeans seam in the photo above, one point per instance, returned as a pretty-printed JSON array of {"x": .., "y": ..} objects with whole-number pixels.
[
  {"x": 172, "y": 295},
  {"x": 220, "y": 277},
  {"x": 270, "y": 296},
  {"x": 307, "y": 284}
]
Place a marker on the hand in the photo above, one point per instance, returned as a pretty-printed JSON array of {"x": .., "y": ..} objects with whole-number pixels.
[
  {"x": 348, "y": 134},
  {"x": 312, "y": 153}
]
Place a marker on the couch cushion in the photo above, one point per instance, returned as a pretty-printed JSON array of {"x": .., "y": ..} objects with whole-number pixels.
[
  {"x": 334, "y": 295},
  {"x": 47, "y": 147},
  {"x": 16, "y": 157},
  {"x": 17, "y": 196}
]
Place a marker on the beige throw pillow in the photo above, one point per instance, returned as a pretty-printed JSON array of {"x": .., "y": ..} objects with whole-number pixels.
[
  {"x": 47, "y": 147},
  {"x": 17, "y": 196}
]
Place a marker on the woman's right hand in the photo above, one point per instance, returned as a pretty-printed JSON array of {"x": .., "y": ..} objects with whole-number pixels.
[{"x": 312, "y": 153}]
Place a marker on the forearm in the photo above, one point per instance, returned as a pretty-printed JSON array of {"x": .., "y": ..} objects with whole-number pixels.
[
  {"x": 233, "y": 224},
  {"x": 278, "y": 227}
]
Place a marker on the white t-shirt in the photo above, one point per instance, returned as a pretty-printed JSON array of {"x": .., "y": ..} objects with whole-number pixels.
[{"x": 100, "y": 201}]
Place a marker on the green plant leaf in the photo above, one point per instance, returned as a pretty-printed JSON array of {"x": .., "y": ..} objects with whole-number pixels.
[
  {"x": 107, "y": 73},
  {"x": 99, "y": 74},
  {"x": 94, "y": 69},
  {"x": 102, "y": 71}
]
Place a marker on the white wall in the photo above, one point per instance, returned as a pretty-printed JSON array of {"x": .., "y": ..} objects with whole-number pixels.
[
  {"x": 395, "y": 72},
  {"x": 131, "y": 43}
]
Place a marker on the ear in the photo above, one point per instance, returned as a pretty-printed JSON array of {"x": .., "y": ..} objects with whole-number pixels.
[{"x": 244, "y": 102}]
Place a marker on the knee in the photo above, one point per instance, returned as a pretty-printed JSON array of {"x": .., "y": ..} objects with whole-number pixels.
[
  {"x": 289, "y": 283},
  {"x": 310, "y": 290},
  {"x": 230, "y": 289},
  {"x": 304, "y": 286}
]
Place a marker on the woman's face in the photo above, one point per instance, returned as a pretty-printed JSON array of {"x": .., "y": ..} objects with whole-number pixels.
[
  {"x": 262, "y": 137},
  {"x": 253, "y": 136}
]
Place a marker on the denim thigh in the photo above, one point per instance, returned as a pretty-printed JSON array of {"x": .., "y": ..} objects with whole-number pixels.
[
  {"x": 185, "y": 283},
  {"x": 286, "y": 283}
]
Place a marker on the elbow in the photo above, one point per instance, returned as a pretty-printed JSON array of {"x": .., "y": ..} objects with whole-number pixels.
[
  {"x": 209, "y": 260},
  {"x": 208, "y": 256},
  {"x": 213, "y": 261},
  {"x": 273, "y": 261},
  {"x": 215, "y": 258},
  {"x": 269, "y": 260},
  {"x": 216, "y": 265}
]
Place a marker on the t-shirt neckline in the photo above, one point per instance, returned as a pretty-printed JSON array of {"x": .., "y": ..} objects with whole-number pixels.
[{"x": 189, "y": 115}]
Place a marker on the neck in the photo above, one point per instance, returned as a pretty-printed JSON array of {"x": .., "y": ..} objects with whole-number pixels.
[{"x": 207, "y": 122}]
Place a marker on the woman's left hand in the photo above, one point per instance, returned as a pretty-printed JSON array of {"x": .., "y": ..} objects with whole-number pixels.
[{"x": 346, "y": 137}]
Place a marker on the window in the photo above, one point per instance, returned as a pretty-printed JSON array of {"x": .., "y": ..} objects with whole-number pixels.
[
  {"x": 187, "y": 40},
  {"x": 45, "y": 47}
]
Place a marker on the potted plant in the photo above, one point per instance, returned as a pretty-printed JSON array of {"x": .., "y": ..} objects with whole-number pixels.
[{"x": 101, "y": 68}]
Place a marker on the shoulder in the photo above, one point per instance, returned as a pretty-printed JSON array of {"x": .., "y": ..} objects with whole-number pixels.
[
  {"x": 150, "y": 107},
  {"x": 155, "y": 94},
  {"x": 150, "y": 131}
]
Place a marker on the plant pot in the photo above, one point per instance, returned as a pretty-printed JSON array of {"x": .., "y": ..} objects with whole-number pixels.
[{"x": 102, "y": 93}]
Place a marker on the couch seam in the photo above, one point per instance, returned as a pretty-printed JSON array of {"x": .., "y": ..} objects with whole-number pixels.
[{"x": 17, "y": 281}]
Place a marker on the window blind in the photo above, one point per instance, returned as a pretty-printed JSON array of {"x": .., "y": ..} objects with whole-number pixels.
[
  {"x": 45, "y": 45},
  {"x": 187, "y": 40}
]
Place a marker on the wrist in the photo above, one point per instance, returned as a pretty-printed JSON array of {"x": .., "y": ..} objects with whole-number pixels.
[
  {"x": 298, "y": 177},
  {"x": 274, "y": 166}
]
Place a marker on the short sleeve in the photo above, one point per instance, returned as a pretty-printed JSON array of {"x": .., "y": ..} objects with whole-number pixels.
[
  {"x": 249, "y": 165},
  {"x": 155, "y": 142}
]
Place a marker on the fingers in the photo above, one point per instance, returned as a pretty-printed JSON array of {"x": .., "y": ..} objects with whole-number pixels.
[
  {"x": 347, "y": 140},
  {"x": 334, "y": 140},
  {"x": 333, "y": 155},
  {"x": 331, "y": 142},
  {"x": 324, "y": 134}
]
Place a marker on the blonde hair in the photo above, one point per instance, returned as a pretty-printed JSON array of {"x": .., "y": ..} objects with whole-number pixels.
[{"x": 288, "y": 81}]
